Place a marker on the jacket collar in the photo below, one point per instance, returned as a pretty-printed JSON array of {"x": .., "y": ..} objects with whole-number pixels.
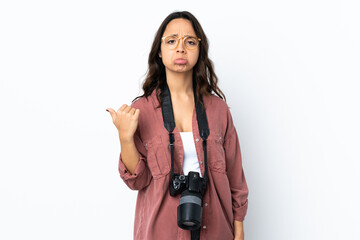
[{"x": 154, "y": 100}]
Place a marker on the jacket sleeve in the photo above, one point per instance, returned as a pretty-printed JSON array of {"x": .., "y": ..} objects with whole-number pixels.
[
  {"x": 235, "y": 171},
  {"x": 141, "y": 176}
]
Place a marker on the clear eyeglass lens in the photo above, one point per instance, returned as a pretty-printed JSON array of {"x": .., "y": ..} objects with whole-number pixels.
[
  {"x": 170, "y": 41},
  {"x": 191, "y": 42}
]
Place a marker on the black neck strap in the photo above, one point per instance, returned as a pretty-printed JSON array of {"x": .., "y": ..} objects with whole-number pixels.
[{"x": 169, "y": 123}]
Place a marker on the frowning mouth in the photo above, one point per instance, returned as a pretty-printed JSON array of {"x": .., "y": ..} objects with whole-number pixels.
[{"x": 180, "y": 61}]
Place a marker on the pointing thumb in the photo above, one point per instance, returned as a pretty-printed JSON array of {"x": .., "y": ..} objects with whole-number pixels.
[{"x": 111, "y": 111}]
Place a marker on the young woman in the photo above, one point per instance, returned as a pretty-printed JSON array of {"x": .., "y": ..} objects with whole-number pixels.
[{"x": 179, "y": 58}]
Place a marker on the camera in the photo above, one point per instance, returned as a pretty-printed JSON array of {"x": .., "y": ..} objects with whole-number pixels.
[{"x": 192, "y": 188}]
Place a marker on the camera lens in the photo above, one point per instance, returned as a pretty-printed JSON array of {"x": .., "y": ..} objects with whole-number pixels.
[
  {"x": 189, "y": 210},
  {"x": 190, "y": 224}
]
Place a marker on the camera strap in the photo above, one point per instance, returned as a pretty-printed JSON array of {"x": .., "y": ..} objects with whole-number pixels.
[{"x": 169, "y": 123}]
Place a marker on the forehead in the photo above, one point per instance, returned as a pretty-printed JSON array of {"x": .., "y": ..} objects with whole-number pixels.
[{"x": 179, "y": 26}]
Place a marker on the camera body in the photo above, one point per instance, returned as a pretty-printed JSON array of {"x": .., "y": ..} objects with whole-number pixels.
[{"x": 192, "y": 188}]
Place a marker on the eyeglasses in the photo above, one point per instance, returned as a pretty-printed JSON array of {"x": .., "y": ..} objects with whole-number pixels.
[{"x": 172, "y": 41}]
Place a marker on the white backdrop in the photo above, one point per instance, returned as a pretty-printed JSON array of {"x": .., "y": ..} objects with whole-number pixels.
[{"x": 289, "y": 70}]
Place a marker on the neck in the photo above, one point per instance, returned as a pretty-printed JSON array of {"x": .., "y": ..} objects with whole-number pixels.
[{"x": 180, "y": 84}]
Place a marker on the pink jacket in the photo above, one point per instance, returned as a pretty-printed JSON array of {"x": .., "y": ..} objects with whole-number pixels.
[{"x": 226, "y": 197}]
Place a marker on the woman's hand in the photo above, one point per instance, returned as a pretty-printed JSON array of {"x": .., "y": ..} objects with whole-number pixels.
[
  {"x": 238, "y": 230},
  {"x": 125, "y": 120}
]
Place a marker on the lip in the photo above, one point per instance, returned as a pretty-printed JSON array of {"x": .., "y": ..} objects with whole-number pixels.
[{"x": 180, "y": 61}]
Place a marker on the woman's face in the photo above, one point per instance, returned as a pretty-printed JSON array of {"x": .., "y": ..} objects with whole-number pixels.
[{"x": 170, "y": 57}]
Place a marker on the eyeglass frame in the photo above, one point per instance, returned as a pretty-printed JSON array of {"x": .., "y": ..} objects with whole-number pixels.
[{"x": 183, "y": 38}]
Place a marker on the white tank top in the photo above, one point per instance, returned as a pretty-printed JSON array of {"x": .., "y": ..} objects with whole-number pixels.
[{"x": 190, "y": 161}]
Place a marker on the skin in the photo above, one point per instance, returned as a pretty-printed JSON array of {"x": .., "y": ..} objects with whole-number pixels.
[
  {"x": 180, "y": 27},
  {"x": 179, "y": 80}
]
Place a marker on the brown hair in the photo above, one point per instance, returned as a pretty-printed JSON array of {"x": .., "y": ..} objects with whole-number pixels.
[{"x": 204, "y": 77}]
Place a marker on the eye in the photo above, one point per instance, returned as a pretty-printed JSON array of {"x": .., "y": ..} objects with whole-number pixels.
[
  {"x": 191, "y": 41},
  {"x": 170, "y": 40}
]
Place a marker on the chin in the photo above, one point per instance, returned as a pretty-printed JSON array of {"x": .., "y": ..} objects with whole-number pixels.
[{"x": 182, "y": 68}]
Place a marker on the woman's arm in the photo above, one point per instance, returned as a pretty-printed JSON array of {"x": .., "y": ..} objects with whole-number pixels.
[
  {"x": 129, "y": 153},
  {"x": 135, "y": 178},
  {"x": 236, "y": 176},
  {"x": 238, "y": 230},
  {"x": 235, "y": 171},
  {"x": 132, "y": 162},
  {"x": 136, "y": 175}
]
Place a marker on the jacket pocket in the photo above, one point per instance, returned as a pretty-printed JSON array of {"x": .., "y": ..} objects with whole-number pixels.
[
  {"x": 216, "y": 158},
  {"x": 156, "y": 158}
]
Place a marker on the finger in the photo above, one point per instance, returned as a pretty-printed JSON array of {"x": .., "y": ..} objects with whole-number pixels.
[
  {"x": 127, "y": 109},
  {"x": 132, "y": 111},
  {"x": 122, "y": 107},
  {"x": 112, "y": 112},
  {"x": 137, "y": 113}
]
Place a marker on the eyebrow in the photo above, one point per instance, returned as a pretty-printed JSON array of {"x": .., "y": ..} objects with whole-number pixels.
[{"x": 175, "y": 34}]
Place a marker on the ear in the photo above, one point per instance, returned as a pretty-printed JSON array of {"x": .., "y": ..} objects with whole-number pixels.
[{"x": 159, "y": 54}]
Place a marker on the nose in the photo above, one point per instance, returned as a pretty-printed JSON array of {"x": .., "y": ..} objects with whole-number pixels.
[{"x": 180, "y": 47}]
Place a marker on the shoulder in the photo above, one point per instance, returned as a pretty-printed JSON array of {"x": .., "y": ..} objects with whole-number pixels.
[
  {"x": 146, "y": 106},
  {"x": 217, "y": 104},
  {"x": 142, "y": 102},
  {"x": 219, "y": 114}
]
